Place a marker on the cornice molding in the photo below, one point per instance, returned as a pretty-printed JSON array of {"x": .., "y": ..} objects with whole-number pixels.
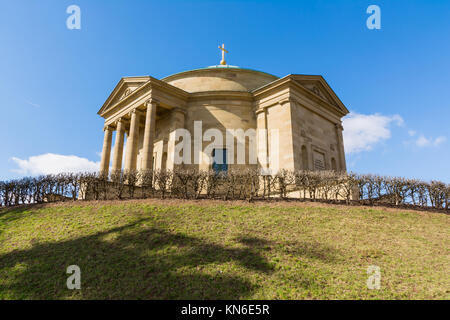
[
  {"x": 319, "y": 109},
  {"x": 119, "y": 86},
  {"x": 151, "y": 84},
  {"x": 289, "y": 81}
]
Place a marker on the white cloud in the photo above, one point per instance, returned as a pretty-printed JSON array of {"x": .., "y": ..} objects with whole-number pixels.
[
  {"x": 422, "y": 141},
  {"x": 362, "y": 132},
  {"x": 439, "y": 140},
  {"x": 54, "y": 163}
]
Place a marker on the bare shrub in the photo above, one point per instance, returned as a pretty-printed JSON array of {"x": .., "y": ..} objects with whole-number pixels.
[
  {"x": 118, "y": 183},
  {"x": 213, "y": 181},
  {"x": 147, "y": 185},
  {"x": 437, "y": 194},
  {"x": 447, "y": 197},
  {"x": 163, "y": 179},
  {"x": 328, "y": 183},
  {"x": 182, "y": 183},
  {"x": 245, "y": 184},
  {"x": 347, "y": 184},
  {"x": 131, "y": 178}
]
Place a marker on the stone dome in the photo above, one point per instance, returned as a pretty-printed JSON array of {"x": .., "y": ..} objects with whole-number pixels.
[{"x": 219, "y": 78}]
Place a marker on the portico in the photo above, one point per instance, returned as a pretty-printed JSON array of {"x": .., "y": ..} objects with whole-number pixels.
[
  {"x": 132, "y": 113},
  {"x": 141, "y": 114}
]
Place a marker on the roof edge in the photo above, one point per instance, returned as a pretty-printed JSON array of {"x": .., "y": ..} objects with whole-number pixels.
[{"x": 215, "y": 68}]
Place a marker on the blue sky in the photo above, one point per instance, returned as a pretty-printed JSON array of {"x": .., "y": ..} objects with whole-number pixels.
[{"x": 396, "y": 80}]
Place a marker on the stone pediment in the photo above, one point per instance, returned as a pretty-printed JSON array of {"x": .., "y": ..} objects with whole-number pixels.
[
  {"x": 314, "y": 85},
  {"x": 320, "y": 88},
  {"x": 123, "y": 89},
  {"x": 317, "y": 89},
  {"x": 124, "y": 92}
]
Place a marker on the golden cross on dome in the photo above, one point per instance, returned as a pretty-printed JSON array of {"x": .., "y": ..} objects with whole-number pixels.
[{"x": 223, "y": 62}]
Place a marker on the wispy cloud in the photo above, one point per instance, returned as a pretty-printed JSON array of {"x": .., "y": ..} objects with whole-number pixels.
[
  {"x": 32, "y": 104},
  {"x": 363, "y": 131},
  {"x": 423, "y": 141},
  {"x": 54, "y": 163}
]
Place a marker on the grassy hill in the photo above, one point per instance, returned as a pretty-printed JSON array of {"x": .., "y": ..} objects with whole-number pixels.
[{"x": 174, "y": 249}]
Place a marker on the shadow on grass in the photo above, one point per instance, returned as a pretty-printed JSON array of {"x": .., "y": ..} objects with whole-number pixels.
[
  {"x": 311, "y": 250},
  {"x": 129, "y": 262},
  {"x": 253, "y": 241},
  {"x": 314, "y": 250}
]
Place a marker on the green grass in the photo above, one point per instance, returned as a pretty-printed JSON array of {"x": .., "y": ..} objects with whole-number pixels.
[{"x": 218, "y": 250}]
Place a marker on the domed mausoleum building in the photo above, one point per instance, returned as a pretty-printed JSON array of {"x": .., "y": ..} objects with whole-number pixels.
[{"x": 293, "y": 122}]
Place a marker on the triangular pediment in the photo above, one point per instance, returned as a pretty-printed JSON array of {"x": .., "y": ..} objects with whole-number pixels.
[
  {"x": 316, "y": 88},
  {"x": 320, "y": 88},
  {"x": 314, "y": 85},
  {"x": 123, "y": 89}
]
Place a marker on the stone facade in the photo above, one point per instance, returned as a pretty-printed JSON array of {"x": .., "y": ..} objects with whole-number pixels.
[{"x": 145, "y": 111}]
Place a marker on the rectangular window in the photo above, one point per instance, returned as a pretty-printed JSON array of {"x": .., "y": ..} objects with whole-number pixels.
[{"x": 220, "y": 163}]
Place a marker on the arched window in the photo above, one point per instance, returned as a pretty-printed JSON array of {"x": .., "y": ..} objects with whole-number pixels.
[
  {"x": 333, "y": 164},
  {"x": 305, "y": 163}
]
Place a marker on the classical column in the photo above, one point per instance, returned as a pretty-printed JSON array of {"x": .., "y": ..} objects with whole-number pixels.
[
  {"x": 118, "y": 147},
  {"x": 149, "y": 135},
  {"x": 132, "y": 143},
  {"x": 340, "y": 146},
  {"x": 106, "y": 151},
  {"x": 262, "y": 139}
]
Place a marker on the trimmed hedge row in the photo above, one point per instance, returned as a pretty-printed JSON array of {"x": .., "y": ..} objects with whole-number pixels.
[{"x": 242, "y": 184}]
